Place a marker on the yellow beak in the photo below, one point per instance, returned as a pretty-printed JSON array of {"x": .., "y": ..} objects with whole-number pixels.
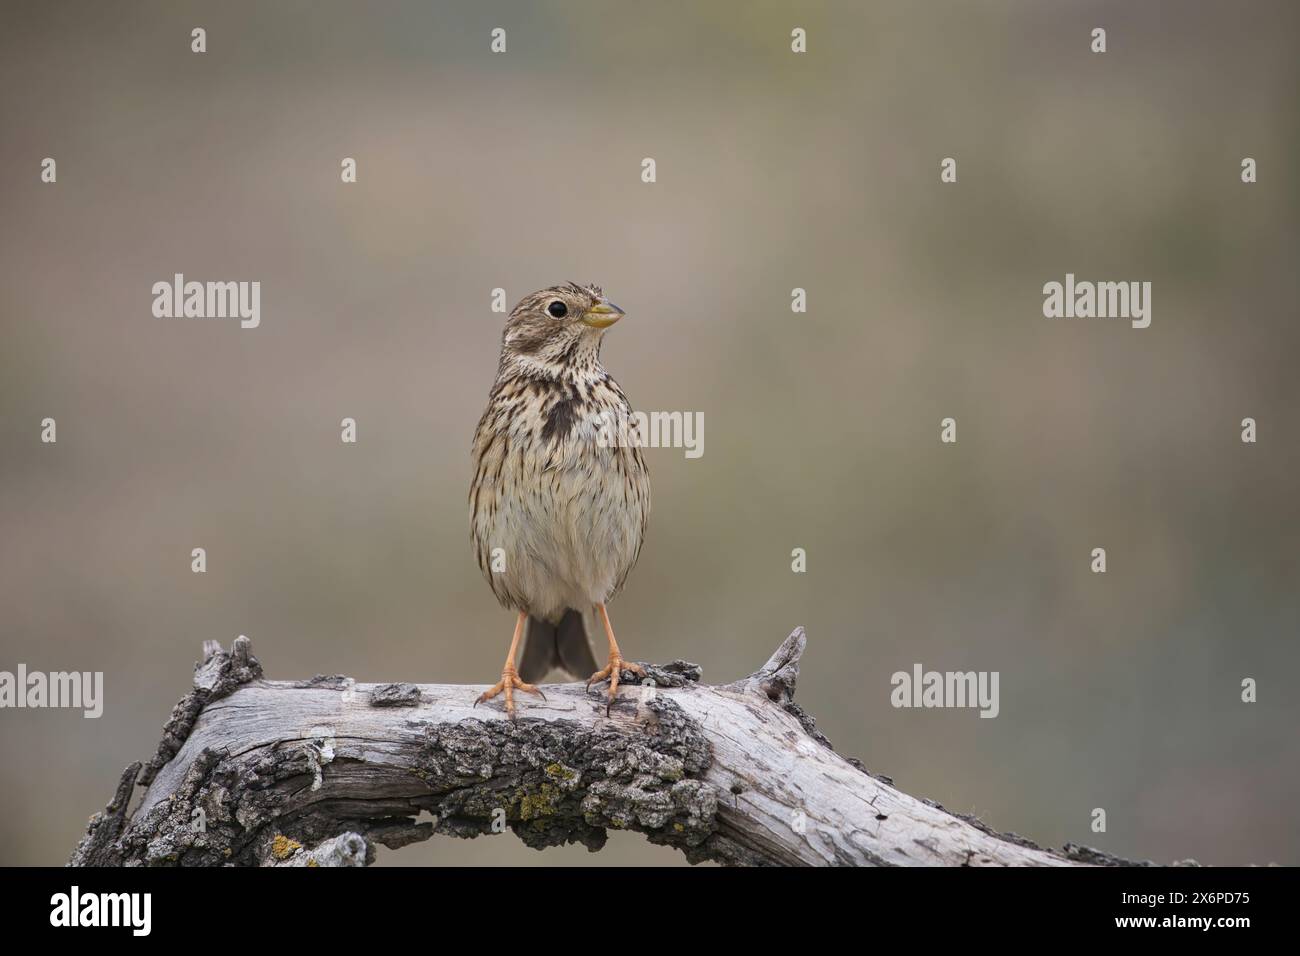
[{"x": 602, "y": 315}]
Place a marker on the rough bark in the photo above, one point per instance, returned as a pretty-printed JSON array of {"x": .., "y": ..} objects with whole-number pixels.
[{"x": 320, "y": 772}]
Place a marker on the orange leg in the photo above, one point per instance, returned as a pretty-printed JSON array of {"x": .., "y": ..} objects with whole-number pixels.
[
  {"x": 614, "y": 669},
  {"x": 510, "y": 681}
]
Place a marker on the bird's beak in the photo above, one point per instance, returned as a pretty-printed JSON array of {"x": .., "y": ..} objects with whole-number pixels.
[{"x": 602, "y": 315}]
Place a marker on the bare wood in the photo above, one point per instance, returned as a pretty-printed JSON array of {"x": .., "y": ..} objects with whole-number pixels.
[{"x": 319, "y": 772}]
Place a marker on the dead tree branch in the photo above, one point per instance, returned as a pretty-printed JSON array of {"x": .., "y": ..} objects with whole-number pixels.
[{"x": 319, "y": 772}]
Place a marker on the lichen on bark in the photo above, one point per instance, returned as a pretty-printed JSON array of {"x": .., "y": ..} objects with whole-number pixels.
[{"x": 557, "y": 782}]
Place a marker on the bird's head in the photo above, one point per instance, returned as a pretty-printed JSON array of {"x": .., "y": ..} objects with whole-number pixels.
[{"x": 563, "y": 325}]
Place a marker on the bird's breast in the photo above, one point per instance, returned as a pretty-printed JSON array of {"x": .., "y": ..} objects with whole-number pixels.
[{"x": 561, "y": 487}]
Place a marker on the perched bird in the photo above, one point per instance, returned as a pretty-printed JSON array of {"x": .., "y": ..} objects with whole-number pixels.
[{"x": 557, "y": 510}]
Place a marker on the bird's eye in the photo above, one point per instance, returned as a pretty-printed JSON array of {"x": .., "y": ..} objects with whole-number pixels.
[{"x": 558, "y": 309}]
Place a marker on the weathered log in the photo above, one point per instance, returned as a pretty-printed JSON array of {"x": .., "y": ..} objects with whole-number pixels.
[{"x": 319, "y": 772}]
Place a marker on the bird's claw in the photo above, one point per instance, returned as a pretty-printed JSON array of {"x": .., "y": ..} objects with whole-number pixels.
[
  {"x": 613, "y": 672},
  {"x": 509, "y": 683}
]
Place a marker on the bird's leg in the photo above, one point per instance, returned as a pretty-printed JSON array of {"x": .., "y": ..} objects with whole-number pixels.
[
  {"x": 614, "y": 669},
  {"x": 510, "y": 681}
]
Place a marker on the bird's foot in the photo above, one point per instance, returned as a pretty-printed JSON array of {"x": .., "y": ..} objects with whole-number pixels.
[
  {"x": 509, "y": 683},
  {"x": 614, "y": 672}
]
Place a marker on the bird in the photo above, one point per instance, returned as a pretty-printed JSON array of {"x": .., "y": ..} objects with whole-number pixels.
[{"x": 560, "y": 496}]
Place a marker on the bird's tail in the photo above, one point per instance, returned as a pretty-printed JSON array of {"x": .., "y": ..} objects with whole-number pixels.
[{"x": 562, "y": 646}]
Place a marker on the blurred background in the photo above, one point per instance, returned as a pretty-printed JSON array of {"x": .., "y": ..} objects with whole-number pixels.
[{"x": 775, "y": 171}]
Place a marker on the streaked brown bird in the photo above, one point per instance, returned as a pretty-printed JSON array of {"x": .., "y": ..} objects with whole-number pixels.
[{"x": 557, "y": 509}]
